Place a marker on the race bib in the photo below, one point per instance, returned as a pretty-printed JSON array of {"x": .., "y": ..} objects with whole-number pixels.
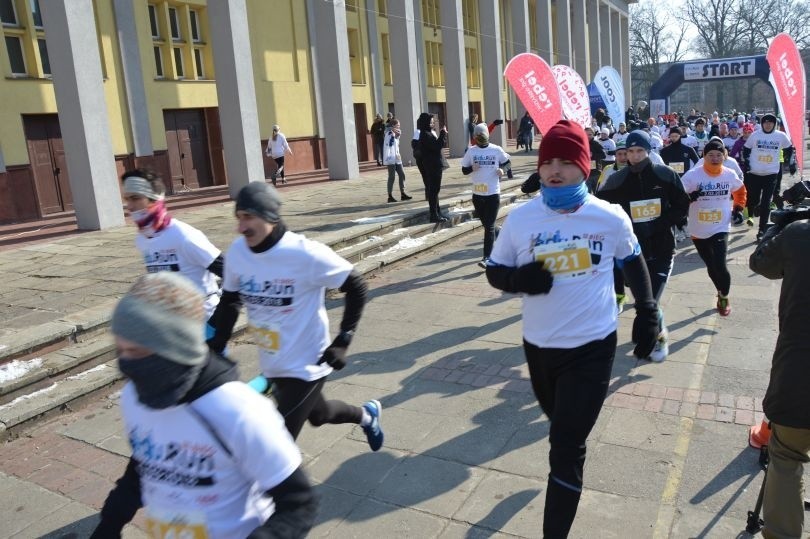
[
  {"x": 677, "y": 167},
  {"x": 267, "y": 337},
  {"x": 565, "y": 259},
  {"x": 765, "y": 159},
  {"x": 167, "y": 524},
  {"x": 480, "y": 188},
  {"x": 642, "y": 211},
  {"x": 710, "y": 215}
]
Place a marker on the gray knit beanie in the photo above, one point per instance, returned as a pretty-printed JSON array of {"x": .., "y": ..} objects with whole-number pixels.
[
  {"x": 164, "y": 312},
  {"x": 260, "y": 199}
]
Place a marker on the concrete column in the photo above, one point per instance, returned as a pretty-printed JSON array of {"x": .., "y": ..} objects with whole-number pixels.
[
  {"x": 337, "y": 104},
  {"x": 455, "y": 76},
  {"x": 375, "y": 59},
  {"x": 492, "y": 65},
  {"x": 616, "y": 38},
  {"x": 132, "y": 69},
  {"x": 313, "y": 54},
  {"x": 521, "y": 42},
  {"x": 70, "y": 31},
  {"x": 545, "y": 34},
  {"x": 594, "y": 39},
  {"x": 403, "y": 34},
  {"x": 563, "y": 32},
  {"x": 579, "y": 39},
  {"x": 605, "y": 39},
  {"x": 626, "y": 69},
  {"x": 236, "y": 93},
  {"x": 420, "y": 51}
]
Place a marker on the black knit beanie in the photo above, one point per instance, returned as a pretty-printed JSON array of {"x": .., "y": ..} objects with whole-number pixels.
[{"x": 260, "y": 199}]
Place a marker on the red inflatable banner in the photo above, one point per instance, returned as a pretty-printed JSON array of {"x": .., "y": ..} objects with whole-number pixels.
[
  {"x": 534, "y": 84},
  {"x": 787, "y": 79}
]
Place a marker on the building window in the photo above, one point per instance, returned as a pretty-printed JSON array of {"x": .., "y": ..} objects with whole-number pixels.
[
  {"x": 195, "y": 27},
  {"x": 473, "y": 74},
  {"x": 43, "y": 56},
  {"x": 158, "y": 62},
  {"x": 174, "y": 24},
  {"x": 178, "y": 62},
  {"x": 382, "y": 8},
  {"x": 36, "y": 13},
  {"x": 8, "y": 13},
  {"x": 385, "y": 44},
  {"x": 356, "y": 57},
  {"x": 153, "y": 21},
  {"x": 15, "y": 55},
  {"x": 351, "y": 5},
  {"x": 430, "y": 13},
  {"x": 469, "y": 17},
  {"x": 435, "y": 65},
  {"x": 198, "y": 63}
]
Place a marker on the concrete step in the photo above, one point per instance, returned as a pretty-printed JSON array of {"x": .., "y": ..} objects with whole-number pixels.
[{"x": 80, "y": 363}]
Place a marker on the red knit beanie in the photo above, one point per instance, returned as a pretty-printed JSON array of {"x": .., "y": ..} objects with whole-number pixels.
[{"x": 566, "y": 140}]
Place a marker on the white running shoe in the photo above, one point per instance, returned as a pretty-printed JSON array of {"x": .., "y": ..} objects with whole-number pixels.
[{"x": 661, "y": 350}]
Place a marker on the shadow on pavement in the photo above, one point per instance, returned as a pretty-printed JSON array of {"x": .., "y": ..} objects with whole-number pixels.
[
  {"x": 75, "y": 530},
  {"x": 503, "y": 513}
]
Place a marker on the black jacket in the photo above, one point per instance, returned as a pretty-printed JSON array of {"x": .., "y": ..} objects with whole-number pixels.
[
  {"x": 430, "y": 149},
  {"x": 296, "y": 502},
  {"x": 786, "y": 256},
  {"x": 650, "y": 182},
  {"x": 677, "y": 152}
]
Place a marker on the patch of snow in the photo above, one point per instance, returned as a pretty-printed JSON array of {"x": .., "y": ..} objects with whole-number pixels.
[
  {"x": 17, "y": 369},
  {"x": 29, "y": 396},
  {"x": 369, "y": 220},
  {"x": 370, "y": 239},
  {"x": 404, "y": 243},
  {"x": 81, "y": 375},
  {"x": 3, "y": 346}
]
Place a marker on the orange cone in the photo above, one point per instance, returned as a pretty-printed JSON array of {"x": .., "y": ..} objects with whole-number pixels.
[{"x": 759, "y": 435}]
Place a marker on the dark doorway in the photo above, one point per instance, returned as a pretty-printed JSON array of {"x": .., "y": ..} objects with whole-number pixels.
[
  {"x": 48, "y": 165},
  {"x": 361, "y": 127},
  {"x": 187, "y": 148}
]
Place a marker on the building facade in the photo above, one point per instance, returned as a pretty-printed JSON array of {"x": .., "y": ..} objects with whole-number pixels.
[{"x": 192, "y": 88}]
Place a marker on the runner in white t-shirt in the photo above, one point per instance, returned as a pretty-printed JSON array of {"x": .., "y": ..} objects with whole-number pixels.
[
  {"x": 711, "y": 188},
  {"x": 282, "y": 278},
  {"x": 166, "y": 243},
  {"x": 558, "y": 251},
  {"x": 486, "y": 163},
  {"x": 210, "y": 456}
]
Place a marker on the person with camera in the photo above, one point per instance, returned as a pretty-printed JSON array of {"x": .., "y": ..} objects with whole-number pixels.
[
  {"x": 558, "y": 250},
  {"x": 784, "y": 253}
]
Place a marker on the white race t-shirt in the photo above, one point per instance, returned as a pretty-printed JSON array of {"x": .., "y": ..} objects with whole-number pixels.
[
  {"x": 579, "y": 248},
  {"x": 187, "y": 476},
  {"x": 485, "y": 180},
  {"x": 283, "y": 289},
  {"x": 765, "y": 148},
  {"x": 711, "y": 213},
  {"x": 729, "y": 162},
  {"x": 609, "y": 146},
  {"x": 181, "y": 247}
]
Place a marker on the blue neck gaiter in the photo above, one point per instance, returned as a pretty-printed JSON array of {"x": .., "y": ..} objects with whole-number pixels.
[{"x": 565, "y": 198}]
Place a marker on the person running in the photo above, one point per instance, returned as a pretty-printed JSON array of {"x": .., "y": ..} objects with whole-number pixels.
[
  {"x": 282, "y": 277},
  {"x": 700, "y": 135},
  {"x": 678, "y": 156},
  {"x": 711, "y": 188},
  {"x": 654, "y": 198},
  {"x": 761, "y": 153},
  {"x": 487, "y": 163},
  {"x": 609, "y": 147},
  {"x": 277, "y": 148},
  {"x": 210, "y": 456},
  {"x": 598, "y": 155},
  {"x": 167, "y": 243},
  {"x": 618, "y": 164},
  {"x": 558, "y": 252}
]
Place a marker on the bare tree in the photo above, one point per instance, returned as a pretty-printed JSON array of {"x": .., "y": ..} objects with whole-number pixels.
[{"x": 656, "y": 38}]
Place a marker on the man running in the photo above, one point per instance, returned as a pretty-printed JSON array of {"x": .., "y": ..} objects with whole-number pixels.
[
  {"x": 558, "y": 251},
  {"x": 487, "y": 163},
  {"x": 282, "y": 277},
  {"x": 653, "y": 197},
  {"x": 210, "y": 456},
  {"x": 677, "y": 155},
  {"x": 710, "y": 188},
  {"x": 169, "y": 244}
]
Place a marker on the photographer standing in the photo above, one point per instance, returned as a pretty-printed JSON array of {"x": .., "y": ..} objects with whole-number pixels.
[{"x": 784, "y": 253}]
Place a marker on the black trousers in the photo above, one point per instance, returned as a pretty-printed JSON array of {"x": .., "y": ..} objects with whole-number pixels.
[
  {"x": 760, "y": 192},
  {"x": 433, "y": 184},
  {"x": 299, "y": 401},
  {"x": 571, "y": 386},
  {"x": 712, "y": 251},
  {"x": 486, "y": 208},
  {"x": 659, "y": 267},
  {"x": 279, "y": 166}
]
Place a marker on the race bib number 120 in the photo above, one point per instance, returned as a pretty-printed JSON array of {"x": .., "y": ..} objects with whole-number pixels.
[{"x": 565, "y": 259}]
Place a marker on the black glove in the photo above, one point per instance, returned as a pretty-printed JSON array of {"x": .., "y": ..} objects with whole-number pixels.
[
  {"x": 736, "y": 217},
  {"x": 792, "y": 168},
  {"x": 215, "y": 345},
  {"x": 694, "y": 195},
  {"x": 645, "y": 330},
  {"x": 335, "y": 354},
  {"x": 533, "y": 279},
  {"x": 497, "y": 122},
  {"x": 532, "y": 184}
]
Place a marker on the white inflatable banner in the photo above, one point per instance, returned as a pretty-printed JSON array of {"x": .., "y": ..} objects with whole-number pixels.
[{"x": 609, "y": 83}]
